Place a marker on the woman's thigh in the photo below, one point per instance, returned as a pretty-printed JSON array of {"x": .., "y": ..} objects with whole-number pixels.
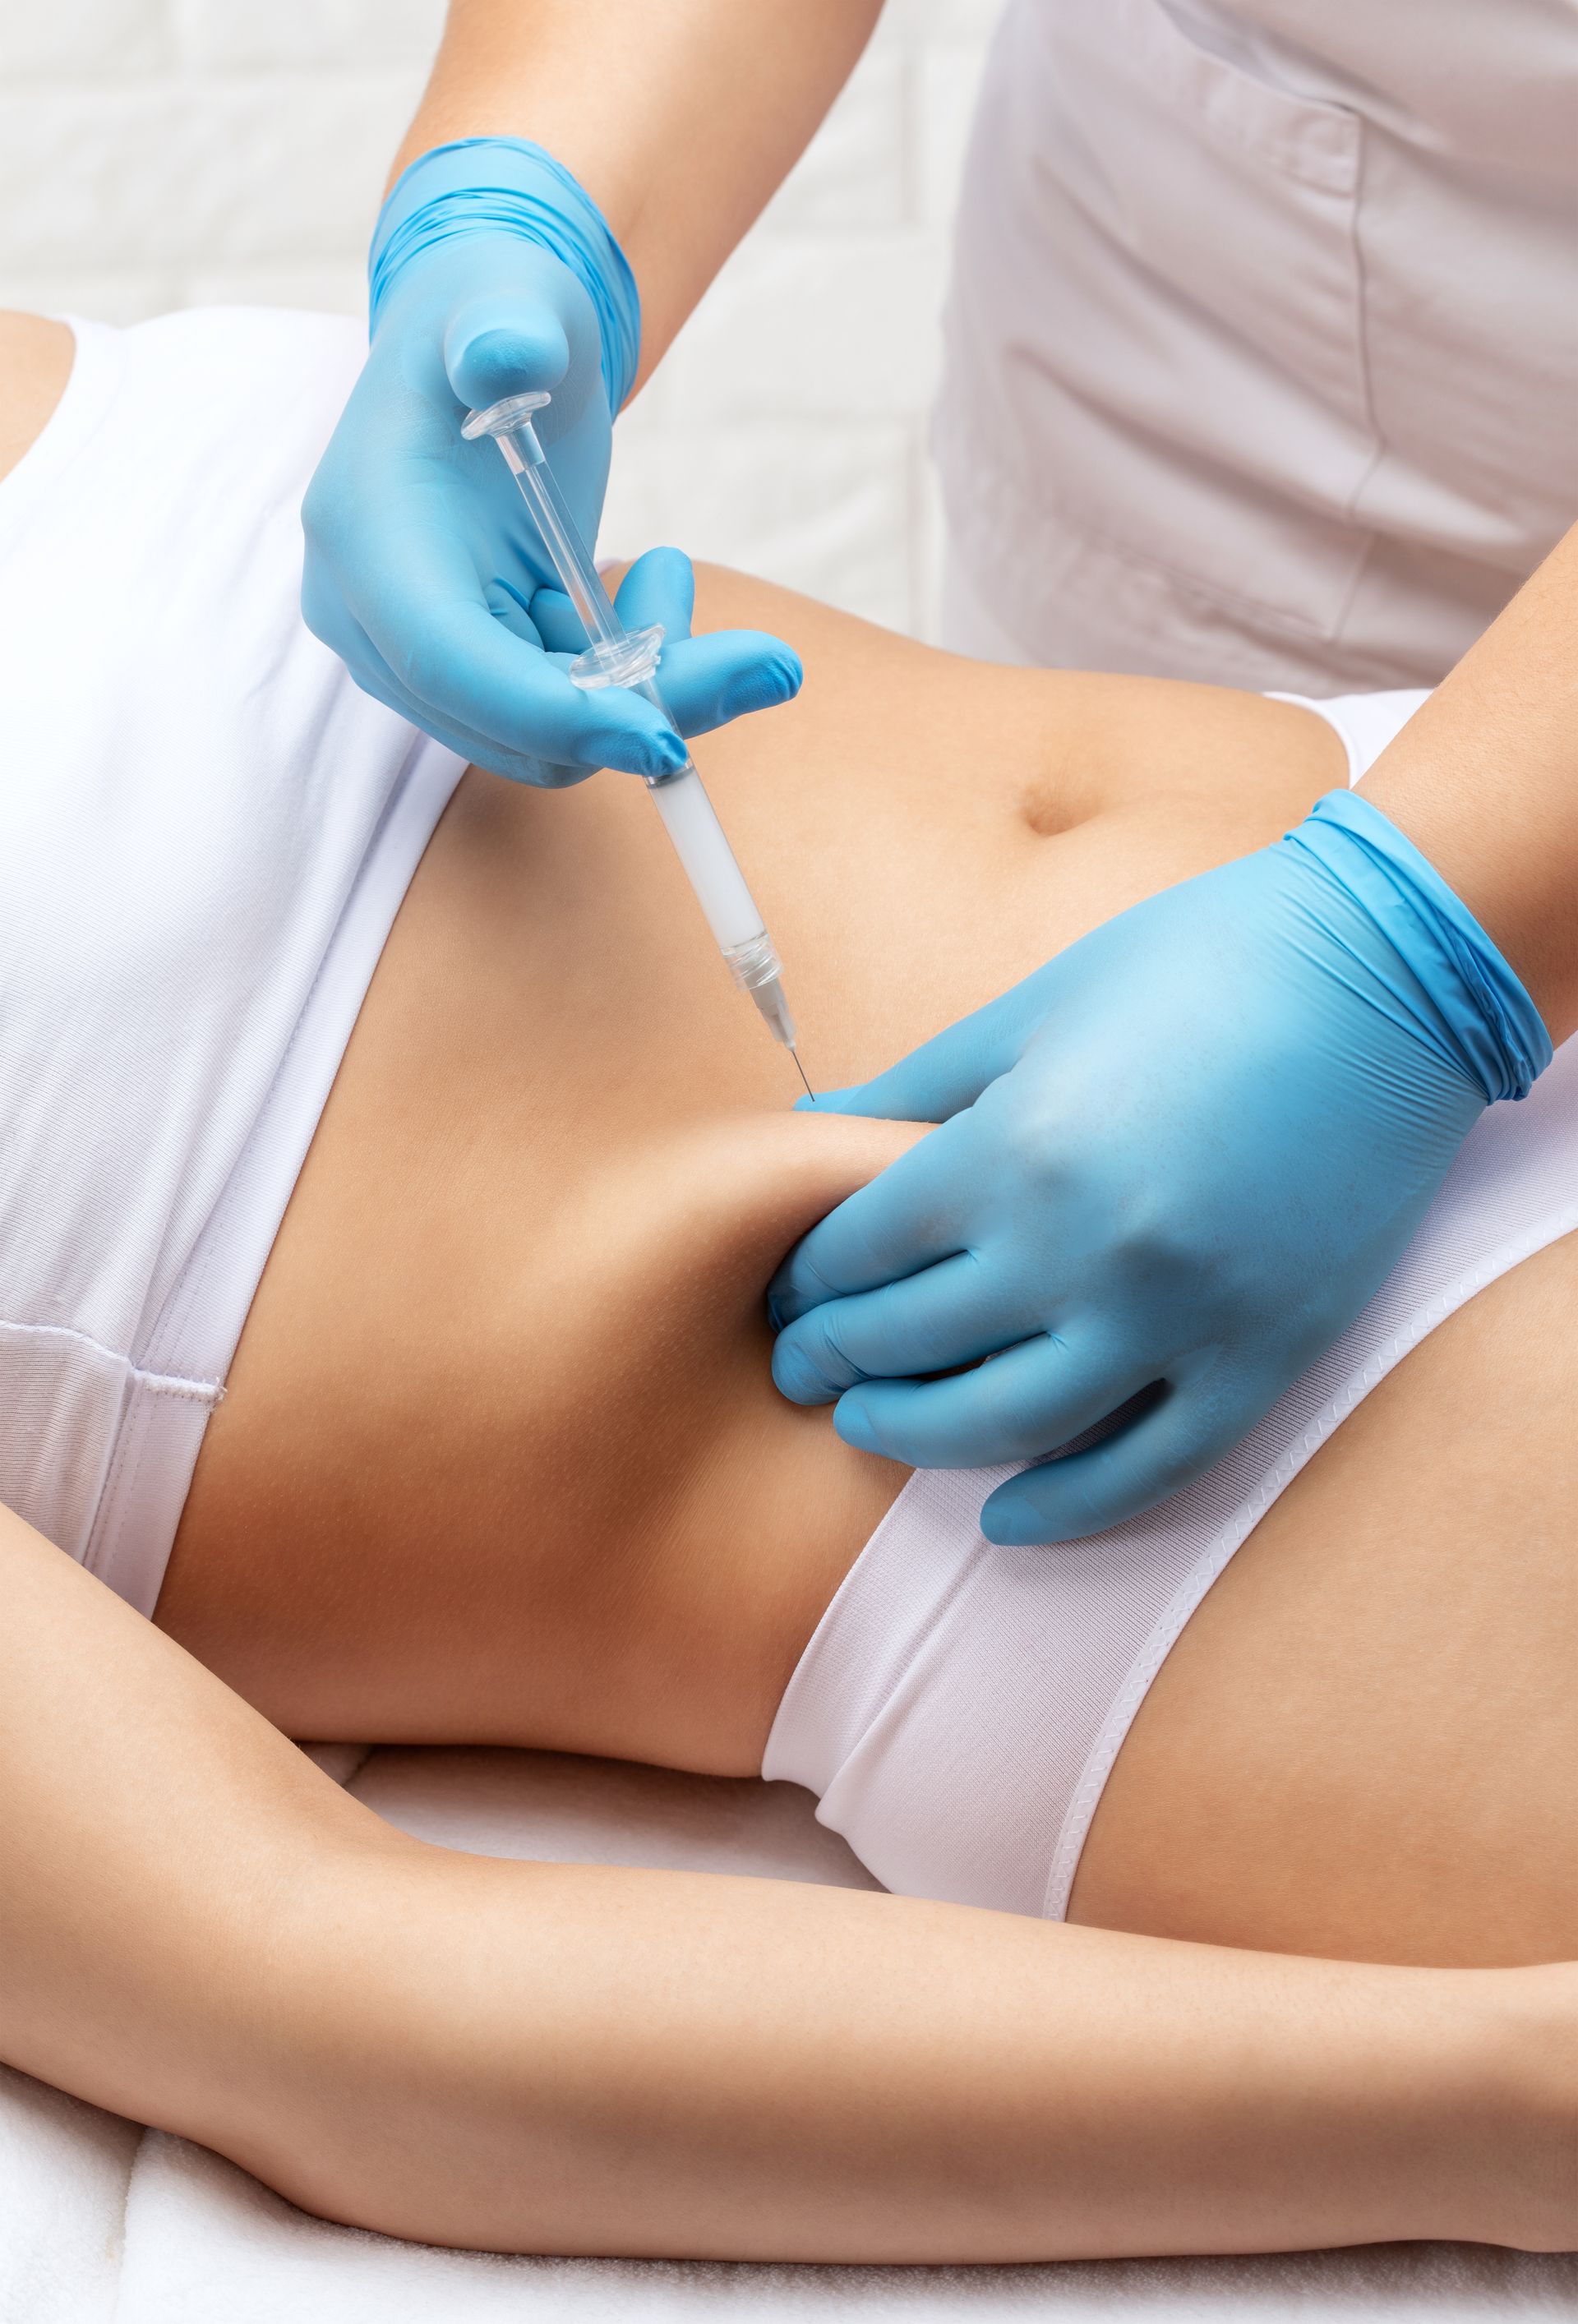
[{"x": 1365, "y": 1742}]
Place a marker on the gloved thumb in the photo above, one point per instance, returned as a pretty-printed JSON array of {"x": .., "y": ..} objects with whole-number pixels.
[
  {"x": 497, "y": 345},
  {"x": 948, "y": 1073}
]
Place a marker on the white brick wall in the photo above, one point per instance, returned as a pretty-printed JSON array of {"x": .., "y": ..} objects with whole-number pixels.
[{"x": 156, "y": 153}]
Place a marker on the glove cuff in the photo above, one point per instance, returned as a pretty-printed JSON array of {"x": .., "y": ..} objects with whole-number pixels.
[
  {"x": 480, "y": 185},
  {"x": 1482, "y": 1009}
]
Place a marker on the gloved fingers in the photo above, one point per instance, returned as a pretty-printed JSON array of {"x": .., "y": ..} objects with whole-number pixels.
[
  {"x": 515, "y": 611},
  {"x": 557, "y": 623},
  {"x": 907, "y": 1219},
  {"x": 345, "y": 636},
  {"x": 374, "y": 677},
  {"x": 1173, "y": 1442},
  {"x": 504, "y": 342},
  {"x": 952, "y": 1313},
  {"x": 430, "y": 624},
  {"x": 415, "y": 594},
  {"x": 659, "y": 586},
  {"x": 706, "y": 681},
  {"x": 709, "y": 680},
  {"x": 949, "y": 1071},
  {"x": 1018, "y": 1407}
]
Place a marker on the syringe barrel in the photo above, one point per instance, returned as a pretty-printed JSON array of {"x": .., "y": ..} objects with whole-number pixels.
[
  {"x": 730, "y": 911},
  {"x": 690, "y": 820}
]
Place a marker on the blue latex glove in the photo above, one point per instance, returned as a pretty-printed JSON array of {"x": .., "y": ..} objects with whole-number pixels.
[
  {"x": 492, "y": 272},
  {"x": 1186, "y": 1151}
]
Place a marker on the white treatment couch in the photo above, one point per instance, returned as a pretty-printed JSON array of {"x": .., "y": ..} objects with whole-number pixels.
[{"x": 104, "y": 2223}]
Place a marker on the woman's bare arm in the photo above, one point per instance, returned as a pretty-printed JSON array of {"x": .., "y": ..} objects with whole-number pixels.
[
  {"x": 681, "y": 117},
  {"x": 198, "y": 1928},
  {"x": 35, "y": 363}
]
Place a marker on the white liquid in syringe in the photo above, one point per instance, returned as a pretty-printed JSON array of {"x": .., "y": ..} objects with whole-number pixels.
[{"x": 699, "y": 843}]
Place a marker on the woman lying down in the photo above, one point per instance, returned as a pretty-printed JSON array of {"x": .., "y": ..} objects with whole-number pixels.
[{"x": 391, "y": 1179}]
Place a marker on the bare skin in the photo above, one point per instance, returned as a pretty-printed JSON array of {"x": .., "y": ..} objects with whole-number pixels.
[
  {"x": 500, "y": 1461},
  {"x": 1506, "y": 844},
  {"x": 35, "y": 363},
  {"x": 516, "y": 1306},
  {"x": 200, "y": 1930},
  {"x": 618, "y": 1388},
  {"x": 617, "y": 90}
]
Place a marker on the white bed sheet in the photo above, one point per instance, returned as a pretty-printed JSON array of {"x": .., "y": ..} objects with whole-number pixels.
[{"x": 103, "y": 2223}]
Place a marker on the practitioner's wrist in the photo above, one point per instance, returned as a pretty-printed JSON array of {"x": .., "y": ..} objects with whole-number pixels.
[
  {"x": 480, "y": 187},
  {"x": 1452, "y": 981}
]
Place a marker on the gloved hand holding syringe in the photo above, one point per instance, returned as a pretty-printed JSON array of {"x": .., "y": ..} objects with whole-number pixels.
[{"x": 620, "y": 657}]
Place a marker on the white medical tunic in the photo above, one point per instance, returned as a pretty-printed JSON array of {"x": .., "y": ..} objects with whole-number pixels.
[{"x": 1263, "y": 341}]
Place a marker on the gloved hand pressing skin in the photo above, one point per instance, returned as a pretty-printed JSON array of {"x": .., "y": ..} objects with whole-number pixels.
[
  {"x": 1186, "y": 1152},
  {"x": 493, "y": 273}
]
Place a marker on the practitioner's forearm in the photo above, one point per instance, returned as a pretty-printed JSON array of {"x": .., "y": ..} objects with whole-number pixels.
[
  {"x": 681, "y": 117},
  {"x": 568, "y": 2060},
  {"x": 1485, "y": 780}
]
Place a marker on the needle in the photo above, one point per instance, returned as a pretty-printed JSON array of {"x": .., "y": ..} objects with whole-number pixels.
[{"x": 800, "y": 1069}]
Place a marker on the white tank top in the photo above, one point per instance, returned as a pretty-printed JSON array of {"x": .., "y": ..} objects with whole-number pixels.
[
  {"x": 1263, "y": 331},
  {"x": 206, "y": 830}
]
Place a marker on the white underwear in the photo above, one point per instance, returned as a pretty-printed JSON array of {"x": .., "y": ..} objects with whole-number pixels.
[{"x": 961, "y": 1706}]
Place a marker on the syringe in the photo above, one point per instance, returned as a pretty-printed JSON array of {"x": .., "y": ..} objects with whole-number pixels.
[{"x": 621, "y": 656}]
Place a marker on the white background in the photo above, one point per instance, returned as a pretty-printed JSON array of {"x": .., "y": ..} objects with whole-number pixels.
[{"x": 158, "y": 153}]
